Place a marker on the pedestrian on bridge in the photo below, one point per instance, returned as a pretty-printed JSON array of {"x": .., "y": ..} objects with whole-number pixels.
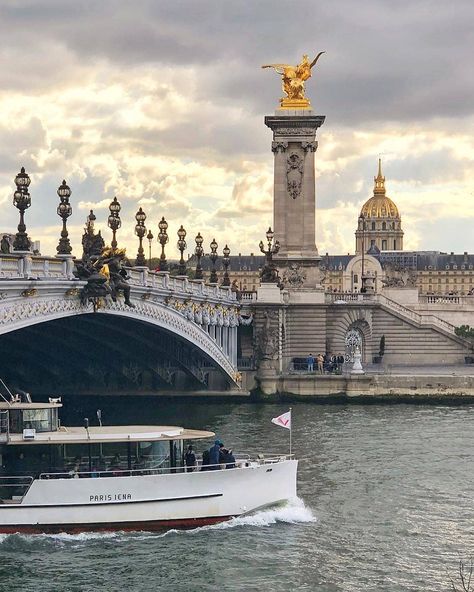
[{"x": 310, "y": 362}]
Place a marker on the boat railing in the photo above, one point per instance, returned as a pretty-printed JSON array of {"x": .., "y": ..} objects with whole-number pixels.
[
  {"x": 13, "y": 489},
  {"x": 241, "y": 461}
]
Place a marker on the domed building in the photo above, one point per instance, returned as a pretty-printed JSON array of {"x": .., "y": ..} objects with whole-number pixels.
[{"x": 379, "y": 222}]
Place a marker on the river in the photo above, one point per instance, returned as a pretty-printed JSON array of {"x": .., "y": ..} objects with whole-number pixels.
[{"x": 385, "y": 504}]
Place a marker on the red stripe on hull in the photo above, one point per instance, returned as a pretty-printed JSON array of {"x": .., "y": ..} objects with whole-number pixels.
[{"x": 112, "y": 526}]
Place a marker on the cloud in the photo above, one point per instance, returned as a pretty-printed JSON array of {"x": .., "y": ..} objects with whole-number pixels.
[{"x": 162, "y": 104}]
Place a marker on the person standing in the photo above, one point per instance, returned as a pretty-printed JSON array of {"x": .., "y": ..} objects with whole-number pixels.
[
  {"x": 214, "y": 455},
  {"x": 310, "y": 363},
  {"x": 340, "y": 362},
  {"x": 190, "y": 459},
  {"x": 320, "y": 360}
]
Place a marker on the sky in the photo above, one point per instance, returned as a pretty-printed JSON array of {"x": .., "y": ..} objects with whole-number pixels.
[{"x": 161, "y": 103}]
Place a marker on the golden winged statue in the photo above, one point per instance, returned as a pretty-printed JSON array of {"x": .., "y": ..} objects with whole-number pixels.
[{"x": 293, "y": 79}]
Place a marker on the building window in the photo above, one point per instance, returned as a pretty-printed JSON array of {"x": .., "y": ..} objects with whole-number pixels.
[
  {"x": 394, "y": 245},
  {"x": 384, "y": 226},
  {"x": 373, "y": 225},
  {"x": 356, "y": 278},
  {"x": 372, "y": 243},
  {"x": 384, "y": 244}
]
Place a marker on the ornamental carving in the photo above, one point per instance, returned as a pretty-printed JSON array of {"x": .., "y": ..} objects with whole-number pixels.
[
  {"x": 279, "y": 146},
  {"x": 294, "y": 174},
  {"x": 294, "y": 131},
  {"x": 294, "y": 276},
  {"x": 268, "y": 336},
  {"x": 399, "y": 277},
  {"x": 309, "y": 146}
]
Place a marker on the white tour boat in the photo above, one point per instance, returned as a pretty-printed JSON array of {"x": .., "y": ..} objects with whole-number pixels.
[{"x": 71, "y": 479}]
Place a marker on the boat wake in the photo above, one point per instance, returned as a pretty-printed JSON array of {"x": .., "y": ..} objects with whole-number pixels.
[{"x": 292, "y": 512}]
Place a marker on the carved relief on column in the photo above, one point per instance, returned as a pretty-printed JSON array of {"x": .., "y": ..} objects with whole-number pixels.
[
  {"x": 309, "y": 146},
  {"x": 279, "y": 146},
  {"x": 294, "y": 174}
]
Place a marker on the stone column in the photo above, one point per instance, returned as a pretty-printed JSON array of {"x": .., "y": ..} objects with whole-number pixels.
[{"x": 294, "y": 201}]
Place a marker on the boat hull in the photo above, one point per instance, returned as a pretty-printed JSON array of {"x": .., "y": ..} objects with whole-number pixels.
[{"x": 149, "y": 502}]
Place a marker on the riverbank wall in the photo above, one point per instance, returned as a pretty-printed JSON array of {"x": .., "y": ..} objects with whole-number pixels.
[{"x": 367, "y": 386}]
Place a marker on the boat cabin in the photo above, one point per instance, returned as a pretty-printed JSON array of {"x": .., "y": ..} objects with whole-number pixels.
[{"x": 34, "y": 445}]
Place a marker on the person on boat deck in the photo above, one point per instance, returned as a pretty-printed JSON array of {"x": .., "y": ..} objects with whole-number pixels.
[
  {"x": 190, "y": 459},
  {"x": 227, "y": 458},
  {"x": 115, "y": 465},
  {"x": 214, "y": 455},
  {"x": 205, "y": 461}
]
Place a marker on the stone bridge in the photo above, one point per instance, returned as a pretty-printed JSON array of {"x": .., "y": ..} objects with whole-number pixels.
[{"x": 37, "y": 289}]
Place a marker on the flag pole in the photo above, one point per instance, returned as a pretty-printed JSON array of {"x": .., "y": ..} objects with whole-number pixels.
[{"x": 291, "y": 427}]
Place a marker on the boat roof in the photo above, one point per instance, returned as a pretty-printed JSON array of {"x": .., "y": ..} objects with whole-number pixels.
[
  {"x": 27, "y": 405},
  {"x": 127, "y": 433}
]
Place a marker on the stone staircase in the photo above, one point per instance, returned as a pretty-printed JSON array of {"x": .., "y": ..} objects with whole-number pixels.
[{"x": 305, "y": 331}]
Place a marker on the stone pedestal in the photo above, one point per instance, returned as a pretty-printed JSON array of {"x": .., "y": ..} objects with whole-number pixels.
[
  {"x": 269, "y": 293},
  {"x": 294, "y": 210}
]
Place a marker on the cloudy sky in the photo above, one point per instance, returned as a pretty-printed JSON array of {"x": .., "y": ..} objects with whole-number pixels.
[{"x": 162, "y": 104}]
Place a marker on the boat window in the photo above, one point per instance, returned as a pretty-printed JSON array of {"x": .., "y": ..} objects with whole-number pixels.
[
  {"x": 41, "y": 420},
  {"x": 30, "y": 459}
]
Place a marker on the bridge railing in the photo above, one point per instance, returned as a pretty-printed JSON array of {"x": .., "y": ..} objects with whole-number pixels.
[
  {"x": 162, "y": 280},
  {"x": 35, "y": 266}
]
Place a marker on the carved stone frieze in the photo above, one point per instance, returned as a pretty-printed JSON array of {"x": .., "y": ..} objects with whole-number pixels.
[
  {"x": 294, "y": 174},
  {"x": 294, "y": 131}
]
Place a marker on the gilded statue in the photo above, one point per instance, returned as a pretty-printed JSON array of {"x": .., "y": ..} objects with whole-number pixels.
[{"x": 293, "y": 79}]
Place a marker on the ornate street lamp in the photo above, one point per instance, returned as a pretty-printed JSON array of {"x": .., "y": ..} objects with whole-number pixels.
[
  {"x": 213, "y": 257},
  {"x": 64, "y": 210},
  {"x": 362, "y": 224},
  {"x": 199, "y": 252},
  {"x": 269, "y": 272},
  {"x": 226, "y": 262},
  {"x": 163, "y": 239},
  {"x": 150, "y": 237},
  {"x": 22, "y": 201},
  {"x": 114, "y": 221},
  {"x": 140, "y": 231},
  {"x": 181, "y": 247}
]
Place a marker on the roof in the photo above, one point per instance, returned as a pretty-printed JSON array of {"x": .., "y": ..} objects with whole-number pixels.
[
  {"x": 237, "y": 263},
  {"x": 379, "y": 206},
  {"x": 129, "y": 433}
]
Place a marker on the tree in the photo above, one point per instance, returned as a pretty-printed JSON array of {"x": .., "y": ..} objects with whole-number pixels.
[{"x": 465, "y": 582}]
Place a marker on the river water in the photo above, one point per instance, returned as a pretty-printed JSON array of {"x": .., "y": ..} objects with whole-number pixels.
[{"x": 385, "y": 504}]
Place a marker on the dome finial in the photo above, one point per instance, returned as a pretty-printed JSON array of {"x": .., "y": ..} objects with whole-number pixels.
[{"x": 379, "y": 181}]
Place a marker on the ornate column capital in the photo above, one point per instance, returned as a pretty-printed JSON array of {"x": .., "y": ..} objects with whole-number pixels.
[
  {"x": 309, "y": 146},
  {"x": 279, "y": 146}
]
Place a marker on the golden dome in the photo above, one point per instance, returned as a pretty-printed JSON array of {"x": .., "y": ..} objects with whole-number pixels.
[{"x": 379, "y": 205}]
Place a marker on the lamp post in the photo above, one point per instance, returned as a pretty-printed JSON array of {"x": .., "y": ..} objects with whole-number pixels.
[
  {"x": 226, "y": 262},
  {"x": 181, "y": 247},
  {"x": 362, "y": 223},
  {"x": 199, "y": 252},
  {"x": 163, "y": 239},
  {"x": 213, "y": 257},
  {"x": 140, "y": 231},
  {"x": 269, "y": 272},
  {"x": 114, "y": 221},
  {"x": 150, "y": 237},
  {"x": 22, "y": 201},
  {"x": 64, "y": 210}
]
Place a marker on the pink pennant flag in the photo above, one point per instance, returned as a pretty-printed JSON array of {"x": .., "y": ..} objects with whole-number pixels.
[{"x": 283, "y": 420}]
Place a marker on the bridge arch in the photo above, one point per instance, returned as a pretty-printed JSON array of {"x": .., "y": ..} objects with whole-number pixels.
[{"x": 18, "y": 313}]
